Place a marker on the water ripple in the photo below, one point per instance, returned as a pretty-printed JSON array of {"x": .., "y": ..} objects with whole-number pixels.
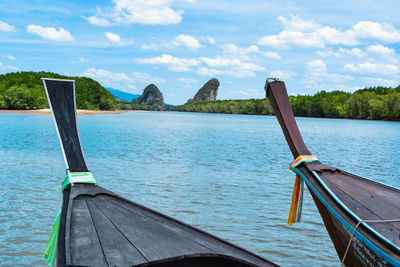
[{"x": 227, "y": 174}]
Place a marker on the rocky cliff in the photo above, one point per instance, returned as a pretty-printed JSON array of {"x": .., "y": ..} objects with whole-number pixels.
[
  {"x": 151, "y": 96},
  {"x": 208, "y": 92}
]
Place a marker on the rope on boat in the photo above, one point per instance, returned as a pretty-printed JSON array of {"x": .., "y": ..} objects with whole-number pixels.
[
  {"x": 354, "y": 231},
  {"x": 71, "y": 178},
  {"x": 297, "y": 197}
]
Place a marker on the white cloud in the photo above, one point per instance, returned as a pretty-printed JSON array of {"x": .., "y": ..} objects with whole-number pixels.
[
  {"x": 285, "y": 39},
  {"x": 105, "y": 77},
  {"x": 284, "y": 75},
  {"x": 11, "y": 57},
  {"x": 377, "y": 31},
  {"x": 102, "y": 22},
  {"x": 317, "y": 66},
  {"x": 188, "y": 41},
  {"x": 318, "y": 77},
  {"x": 182, "y": 39},
  {"x": 372, "y": 68},
  {"x": 173, "y": 63},
  {"x": 302, "y": 33},
  {"x": 209, "y": 72},
  {"x": 381, "y": 50},
  {"x": 352, "y": 52},
  {"x": 152, "y": 12},
  {"x": 1, "y": 64},
  {"x": 229, "y": 62},
  {"x": 380, "y": 82},
  {"x": 235, "y": 61},
  {"x": 372, "y": 49},
  {"x": 146, "y": 78},
  {"x": 232, "y": 50},
  {"x": 357, "y": 52},
  {"x": 60, "y": 35},
  {"x": 271, "y": 54},
  {"x": 234, "y": 64},
  {"x": 5, "y": 27},
  {"x": 237, "y": 69},
  {"x": 80, "y": 60},
  {"x": 327, "y": 53},
  {"x": 109, "y": 78},
  {"x": 387, "y": 53},
  {"x": 211, "y": 40},
  {"x": 295, "y": 23},
  {"x": 116, "y": 39},
  {"x": 12, "y": 68},
  {"x": 219, "y": 61},
  {"x": 112, "y": 37}
]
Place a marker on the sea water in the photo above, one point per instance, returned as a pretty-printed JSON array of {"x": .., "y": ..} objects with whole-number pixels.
[{"x": 226, "y": 174}]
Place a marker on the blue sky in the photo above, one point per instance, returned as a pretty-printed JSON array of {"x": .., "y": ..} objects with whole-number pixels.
[{"x": 179, "y": 45}]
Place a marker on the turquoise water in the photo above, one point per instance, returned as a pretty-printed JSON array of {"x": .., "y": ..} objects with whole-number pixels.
[{"x": 227, "y": 174}]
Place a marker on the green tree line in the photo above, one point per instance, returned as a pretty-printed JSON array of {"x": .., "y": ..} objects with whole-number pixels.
[
  {"x": 124, "y": 105},
  {"x": 24, "y": 90},
  {"x": 250, "y": 106},
  {"x": 369, "y": 103}
]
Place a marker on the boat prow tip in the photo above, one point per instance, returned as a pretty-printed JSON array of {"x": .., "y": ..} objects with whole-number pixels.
[{"x": 269, "y": 81}]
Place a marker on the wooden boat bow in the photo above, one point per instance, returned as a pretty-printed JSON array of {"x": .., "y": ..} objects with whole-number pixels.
[
  {"x": 361, "y": 216},
  {"x": 278, "y": 97},
  {"x": 99, "y": 228}
]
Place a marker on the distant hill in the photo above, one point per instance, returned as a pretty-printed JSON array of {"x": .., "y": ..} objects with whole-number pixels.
[
  {"x": 208, "y": 92},
  {"x": 24, "y": 90},
  {"x": 151, "y": 96},
  {"x": 121, "y": 94}
]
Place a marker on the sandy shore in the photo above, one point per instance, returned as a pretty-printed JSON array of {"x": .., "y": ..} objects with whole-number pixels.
[{"x": 83, "y": 112}]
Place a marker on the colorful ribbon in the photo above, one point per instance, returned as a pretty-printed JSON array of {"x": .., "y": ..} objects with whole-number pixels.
[
  {"x": 296, "y": 206},
  {"x": 51, "y": 248},
  {"x": 71, "y": 178}
]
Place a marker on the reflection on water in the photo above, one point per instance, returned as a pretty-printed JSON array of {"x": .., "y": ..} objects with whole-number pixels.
[{"x": 227, "y": 174}]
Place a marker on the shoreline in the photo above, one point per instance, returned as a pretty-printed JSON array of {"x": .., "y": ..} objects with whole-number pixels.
[
  {"x": 80, "y": 112},
  {"x": 296, "y": 116},
  {"x": 88, "y": 112}
]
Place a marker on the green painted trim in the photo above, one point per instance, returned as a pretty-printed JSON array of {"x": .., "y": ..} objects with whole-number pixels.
[
  {"x": 78, "y": 178},
  {"x": 270, "y": 80}
]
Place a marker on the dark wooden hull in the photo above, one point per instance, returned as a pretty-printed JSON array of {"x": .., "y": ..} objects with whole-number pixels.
[
  {"x": 100, "y": 228},
  {"x": 373, "y": 244}
]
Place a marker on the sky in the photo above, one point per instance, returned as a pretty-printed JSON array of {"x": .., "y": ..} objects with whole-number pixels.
[{"x": 179, "y": 45}]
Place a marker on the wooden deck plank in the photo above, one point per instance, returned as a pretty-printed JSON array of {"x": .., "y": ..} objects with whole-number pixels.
[
  {"x": 117, "y": 248},
  {"x": 362, "y": 208},
  {"x": 388, "y": 230},
  {"x": 85, "y": 245},
  {"x": 380, "y": 199},
  {"x": 215, "y": 244},
  {"x": 151, "y": 238},
  {"x": 97, "y": 196}
]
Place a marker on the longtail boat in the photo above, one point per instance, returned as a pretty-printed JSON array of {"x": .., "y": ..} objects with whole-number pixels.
[
  {"x": 361, "y": 216},
  {"x": 96, "y": 227}
]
